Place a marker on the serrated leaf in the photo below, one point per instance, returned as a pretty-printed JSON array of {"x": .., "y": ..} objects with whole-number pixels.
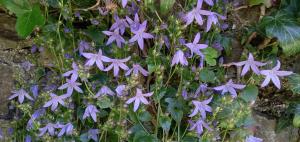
[
  {"x": 210, "y": 56},
  {"x": 249, "y": 93},
  {"x": 29, "y": 20},
  {"x": 294, "y": 83},
  {"x": 286, "y": 29}
]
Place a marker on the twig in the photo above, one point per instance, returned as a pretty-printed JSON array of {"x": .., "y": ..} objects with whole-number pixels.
[{"x": 90, "y": 8}]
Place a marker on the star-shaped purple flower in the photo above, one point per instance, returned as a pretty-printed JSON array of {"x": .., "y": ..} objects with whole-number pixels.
[
  {"x": 119, "y": 25},
  {"x": 73, "y": 73},
  {"x": 93, "y": 134},
  {"x": 274, "y": 75},
  {"x": 121, "y": 90},
  {"x": 213, "y": 19},
  {"x": 71, "y": 85},
  {"x": 198, "y": 126},
  {"x": 138, "y": 98},
  {"x": 195, "y": 47},
  {"x": 116, "y": 64},
  {"x": 55, "y": 100},
  {"x": 140, "y": 35},
  {"x": 95, "y": 58},
  {"x": 134, "y": 24},
  {"x": 179, "y": 58},
  {"x": 250, "y": 63},
  {"x": 82, "y": 46},
  {"x": 136, "y": 69},
  {"x": 253, "y": 139},
  {"x": 104, "y": 90},
  {"x": 124, "y": 3},
  {"x": 21, "y": 94},
  {"x": 201, "y": 107},
  {"x": 50, "y": 128},
  {"x": 114, "y": 36},
  {"x": 196, "y": 14},
  {"x": 230, "y": 87},
  {"x": 209, "y": 2},
  {"x": 66, "y": 129},
  {"x": 90, "y": 111}
]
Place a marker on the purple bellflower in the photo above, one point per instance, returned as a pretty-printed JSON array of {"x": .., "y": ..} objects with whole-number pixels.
[
  {"x": 134, "y": 25},
  {"x": 55, "y": 100},
  {"x": 201, "y": 107},
  {"x": 179, "y": 58},
  {"x": 90, "y": 111},
  {"x": 102, "y": 12},
  {"x": 136, "y": 69},
  {"x": 196, "y": 14},
  {"x": 93, "y": 134},
  {"x": 95, "y": 58},
  {"x": 209, "y": 2},
  {"x": 195, "y": 47},
  {"x": 21, "y": 94},
  {"x": 73, "y": 73},
  {"x": 133, "y": 9},
  {"x": 116, "y": 64},
  {"x": 274, "y": 75},
  {"x": 201, "y": 89},
  {"x": 230, "y": 87},
  {"x": 28, "y": 138},
  {"x": 71, "y": 85},
  {"x": 34, "y": 90},
  {"x": 198, "y": 126},
  {"x": 104, "y": 90},
  {"x": 250, "y": 63},
  {"x": 38, "y": 113},
  {"x": 213, "y": 19},
  {"x": 124, "y": 3},
  {"x": 121, "y": 90},
  {"x": 114, "y": 36},
  {"x": 50, "y": 128},
  {"x": 119, "y": 25},
  {"x": 1, "y": 134},
  {"x": 138, "y": 98},
  {"x": 66, "y": 129},
  {"x": 140, "y": 35},
  {"x": 253, "y": 139},
  {"x": 82, "y": 46}
]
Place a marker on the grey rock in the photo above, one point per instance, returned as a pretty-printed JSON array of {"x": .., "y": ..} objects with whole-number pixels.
[{"x": 266, "y": 130}]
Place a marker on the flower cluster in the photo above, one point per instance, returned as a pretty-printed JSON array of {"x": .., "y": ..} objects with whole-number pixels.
[{"x": 137, "y": 76}]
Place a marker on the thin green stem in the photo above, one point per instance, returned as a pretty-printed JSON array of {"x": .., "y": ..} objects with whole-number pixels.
[{"x": 141, "y": 124}]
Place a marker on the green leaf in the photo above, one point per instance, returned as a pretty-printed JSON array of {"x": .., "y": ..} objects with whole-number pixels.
[
  {"x": 210, "y": 56},
  {"x": 207, "y": 75},
  {"x": 104, "y": 102},
  {"x": 142, "y": 136},
  {"x": 175, "y": 107},
  {"x": 294, "y": 83},
  {"x": 166, "y": 5},
  {"x": 286, "y": 29},
  {"x": 145, "y": 116},
  {"x": 165, "y": 123},
  {"x": 29, "y": 20},
  {"x": 18, "y": 7},
  {"x": 249, "y": 93}
]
